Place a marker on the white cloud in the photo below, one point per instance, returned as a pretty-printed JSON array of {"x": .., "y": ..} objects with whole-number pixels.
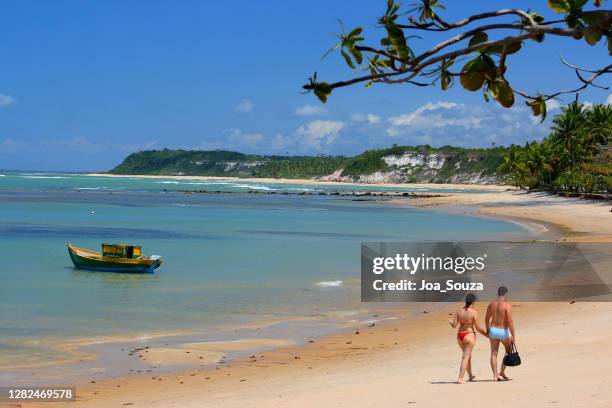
[
  {"x": 279, "y": 142},
  {"x": 369, "y": 118},
  {"x": 552, "y": 104},
  {"x": 6, "y": 100},
  {"x": 238, "y": 138},
  {"x": 450, "y": 123},
  {"x": 372, "y": 119},
  {"x": 435, "y": 116},
  {"x": 244, "y": 106},
  {"x": 310, "y": 110},
  {"x": 609, "y": 100},
  {"x": 319, "y": 132},
  {"x": 416, "y": 116}
]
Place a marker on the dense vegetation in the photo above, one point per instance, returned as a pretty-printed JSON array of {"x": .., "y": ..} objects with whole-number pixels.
[
  {"x": 466, "y": 162},
  {"x": 226, "y": 163},
  {"x": 575, "y": 157}
]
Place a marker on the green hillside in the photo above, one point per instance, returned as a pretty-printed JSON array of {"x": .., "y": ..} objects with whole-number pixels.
[{"x": 395, "y": 164}]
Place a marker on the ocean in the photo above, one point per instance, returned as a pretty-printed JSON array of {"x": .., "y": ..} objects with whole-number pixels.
[{"x": 235, "y": 265}]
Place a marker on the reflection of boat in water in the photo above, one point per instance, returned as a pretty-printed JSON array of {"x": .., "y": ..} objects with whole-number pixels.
[{"x": 114, "y": 258}]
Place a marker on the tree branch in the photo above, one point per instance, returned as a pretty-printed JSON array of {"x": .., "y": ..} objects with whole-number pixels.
[
  {"x": 487, "y": 69},
  {"x": 466, "y": 21}
]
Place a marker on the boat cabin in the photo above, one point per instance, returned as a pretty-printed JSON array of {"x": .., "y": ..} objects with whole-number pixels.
[{"x": 121, "y": 251}]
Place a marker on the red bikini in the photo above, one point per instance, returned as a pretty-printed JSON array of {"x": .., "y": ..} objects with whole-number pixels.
[{"x": 462, "y": 334}]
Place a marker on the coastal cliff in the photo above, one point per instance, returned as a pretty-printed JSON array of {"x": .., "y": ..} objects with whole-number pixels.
[{"x": 399, "y": 164}]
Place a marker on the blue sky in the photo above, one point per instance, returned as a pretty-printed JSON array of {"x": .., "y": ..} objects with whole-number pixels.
[{"x": 82, "y": 84}]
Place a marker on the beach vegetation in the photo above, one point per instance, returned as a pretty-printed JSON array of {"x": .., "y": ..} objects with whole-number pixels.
[{"x": 574, "y": 158}]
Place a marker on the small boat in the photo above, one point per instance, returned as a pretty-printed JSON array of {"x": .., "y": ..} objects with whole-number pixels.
[{"x": 114, "y": 258}]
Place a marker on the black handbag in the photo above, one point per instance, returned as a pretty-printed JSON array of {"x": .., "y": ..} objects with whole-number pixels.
[{"x": 512, "y": 358}]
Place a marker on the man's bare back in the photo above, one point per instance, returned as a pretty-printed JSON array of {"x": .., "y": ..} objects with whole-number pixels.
[{"x": 498, "y": 312}]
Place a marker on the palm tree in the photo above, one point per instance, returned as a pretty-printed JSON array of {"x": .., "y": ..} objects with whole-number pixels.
[
  {"x": 537, "y": 162},
  {"x": 512, "y": 163},
  {"x": 569, "y": 128},
  {"x": 599, "y": 124}
]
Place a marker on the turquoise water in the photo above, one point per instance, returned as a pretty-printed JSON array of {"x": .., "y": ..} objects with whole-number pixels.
[
  {"x": 67, "y": 181},
  {"x": 229, "y": 259}
]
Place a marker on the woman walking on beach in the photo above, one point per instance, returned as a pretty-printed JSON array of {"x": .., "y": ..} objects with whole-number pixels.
[{"x": 467, "y": 320}]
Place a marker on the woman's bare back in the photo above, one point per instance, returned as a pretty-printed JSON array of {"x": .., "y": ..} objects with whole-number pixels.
[{"x": 466, "y": 319}]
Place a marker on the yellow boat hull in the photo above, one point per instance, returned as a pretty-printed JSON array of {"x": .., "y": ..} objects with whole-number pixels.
[{"x": 94, "y": 261}]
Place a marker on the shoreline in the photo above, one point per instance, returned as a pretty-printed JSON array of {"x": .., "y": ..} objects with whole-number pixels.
[
  {"x": 449, "y": 186},
  {"x": 384, "y": 360},
  {"x": 295, "y": 374},
  {"x": 577, "y": 219}
]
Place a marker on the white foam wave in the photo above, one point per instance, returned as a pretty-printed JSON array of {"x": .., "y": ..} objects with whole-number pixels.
[
  {"x": 196, "y": 183},
  {"x": 302, "y": 189},
  {"x": 45, "y": 177},
  {"x": 99, "y": 188},
  {"x": 329, "y": 284},
  {"x": 252, "y": 187}
]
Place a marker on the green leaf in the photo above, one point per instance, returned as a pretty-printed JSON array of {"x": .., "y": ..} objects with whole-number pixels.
[
  {"x": 513, "y": 47},
  {"x": 502, "y": 93},
  {"x": 357, "y": 55},
  {"x": 322, "y": 90},
  {"x": 478, "y": 38},
  {"x": 538, "y": 107},
  {"x": 593, "y": 37},
  {"x": 594, "y": 17},
  {"x": 355, "y": 32},
  {"x": 489, "y": 68},
  {"x": 398, "y": 40},
  {"x": 445, "y": 80},
  {"x": 347, "y": 58},
  {"x": 559, "y": 6},
  {"x": 576, "y": 4},
  {"x": 538, "y": 37},
  {"x": 474, "y": 73}
]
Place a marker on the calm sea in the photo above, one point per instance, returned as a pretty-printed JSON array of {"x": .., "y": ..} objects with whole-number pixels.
[{"x": 230, "y": 260}]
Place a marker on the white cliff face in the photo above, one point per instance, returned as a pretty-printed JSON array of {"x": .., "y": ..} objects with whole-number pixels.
[
  {"x": 415, "y": 167},
  {"x": 382, "y": 177},
  {"x": 335, "y": 176},
  {"x": 433, "y": 161},
  {"x": 240, "y": 165}
]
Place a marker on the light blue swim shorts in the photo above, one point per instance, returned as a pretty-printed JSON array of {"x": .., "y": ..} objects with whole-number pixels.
[{"x": 499, "y": 333}]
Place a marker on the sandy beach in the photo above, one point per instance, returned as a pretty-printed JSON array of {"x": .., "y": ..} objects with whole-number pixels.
[
  {"x": 412, "y": 362},
  {"x": 577, "y": 219}
]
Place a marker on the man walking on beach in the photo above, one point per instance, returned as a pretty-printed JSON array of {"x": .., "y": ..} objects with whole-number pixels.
[{"x": 500, "y": 327}]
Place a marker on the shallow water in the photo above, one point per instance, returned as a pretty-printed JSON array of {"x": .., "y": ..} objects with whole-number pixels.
[{"x": 229, "y": 260}]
